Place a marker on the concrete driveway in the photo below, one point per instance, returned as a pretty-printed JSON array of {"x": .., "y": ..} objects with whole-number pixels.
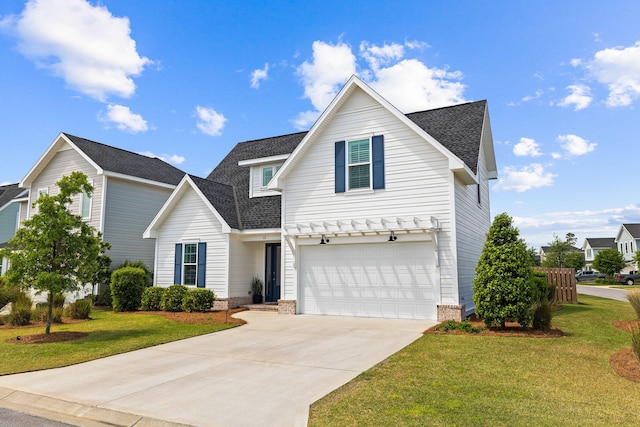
[{"x": 265, "y": 373}]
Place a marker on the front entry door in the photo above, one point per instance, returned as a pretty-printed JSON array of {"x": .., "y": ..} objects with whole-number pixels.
[{"x": 272, "y": 273}]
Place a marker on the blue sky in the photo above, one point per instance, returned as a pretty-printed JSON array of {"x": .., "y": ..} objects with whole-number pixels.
[{"x": 187, "y": 80}]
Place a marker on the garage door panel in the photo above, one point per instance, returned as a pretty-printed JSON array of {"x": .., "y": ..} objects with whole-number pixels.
[{"x": 395, "y": 280}]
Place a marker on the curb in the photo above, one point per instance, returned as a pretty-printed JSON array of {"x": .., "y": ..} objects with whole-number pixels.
[{"x": 73, "y": 413}]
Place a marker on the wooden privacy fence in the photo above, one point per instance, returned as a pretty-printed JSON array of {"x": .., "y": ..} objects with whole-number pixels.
[{"x": 564, "y": 279}]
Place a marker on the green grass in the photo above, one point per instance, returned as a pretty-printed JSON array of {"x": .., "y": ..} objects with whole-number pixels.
[
  {"x": 109, "y": 333},
  {"x": 457, "y": 380}
]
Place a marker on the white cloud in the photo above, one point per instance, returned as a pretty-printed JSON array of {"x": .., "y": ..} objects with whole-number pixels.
[
  {"x": 258, "y": 75},
  {"x": 536, "y": 95},
  {"x": 525, "y": 178},
  {"x": 576, "y": 146},
  {"x": 124, "y": 119},
  {"x": 619, "y": 69},
  {"x": 86, "y": 45},
  {"x": 527, "y": 147},
  {"x": 169, "y": 158},
  {"x": 408, "y": 84},
  {"x": 580, "y": 97},
  {"x": 210, "y": 122},
  {"x": 332, "y": 65}
]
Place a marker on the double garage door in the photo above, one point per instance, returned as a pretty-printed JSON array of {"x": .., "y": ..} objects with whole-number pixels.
[{"x": 391, "y": 280}]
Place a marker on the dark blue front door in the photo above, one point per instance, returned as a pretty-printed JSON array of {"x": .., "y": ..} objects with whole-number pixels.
[{"x": 272, "y": 273}]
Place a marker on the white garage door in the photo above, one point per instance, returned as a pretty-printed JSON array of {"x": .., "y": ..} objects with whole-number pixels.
[{"x": 392, "y": 280}]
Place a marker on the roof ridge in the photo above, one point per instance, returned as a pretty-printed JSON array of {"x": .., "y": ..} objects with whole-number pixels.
[
  {"x": 447, "y": 106},
  {"x": 116, "y": 148}
]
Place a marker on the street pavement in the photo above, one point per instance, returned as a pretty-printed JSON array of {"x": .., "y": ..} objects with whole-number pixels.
[{"x": 603, "y": 291}]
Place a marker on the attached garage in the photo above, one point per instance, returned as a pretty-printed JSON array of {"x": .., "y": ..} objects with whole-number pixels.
[{"x": 390, "y": 280}]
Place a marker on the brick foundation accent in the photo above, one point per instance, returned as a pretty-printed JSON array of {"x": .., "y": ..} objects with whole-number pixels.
[
  {"x": 286, "y": 306},
  {"x": 233, "y": 302},
  {"x": 451, "y": 312}
]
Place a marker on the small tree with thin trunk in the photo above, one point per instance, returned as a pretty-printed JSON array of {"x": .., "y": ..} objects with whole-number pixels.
[
  {"x": 54, "y": 250},
  {"x": 503, "y": 289},
  {"x": 609, "y": 261}
]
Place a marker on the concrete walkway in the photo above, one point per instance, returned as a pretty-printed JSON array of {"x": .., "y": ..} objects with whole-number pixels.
[{"x": 264, "y": 373}]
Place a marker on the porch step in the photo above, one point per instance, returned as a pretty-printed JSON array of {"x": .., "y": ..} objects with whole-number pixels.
[{"x": 261, "y": 307}]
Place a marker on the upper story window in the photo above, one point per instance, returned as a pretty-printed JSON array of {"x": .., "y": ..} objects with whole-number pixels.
[
  {"x": 359, "y": 164},
  {"x": 267, "y": 173},
  {"x": 85, "y": 205}
]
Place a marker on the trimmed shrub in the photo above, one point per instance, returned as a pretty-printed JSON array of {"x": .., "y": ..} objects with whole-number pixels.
[
  {"x": 542, "y": 314},
  {"x": 151, "y": 298},
  {"x": 503, "y": 289},
  {"x": 127, "y": 285},
  {"x": 452, "y": 325},
  {"x": 198, "y": 300},
  {"x": 21, "y": 311},
  {"x": 172, "y": 298},
  {"x": 139, "y": 264},
  {"x": 634, "y": 299},
  {"x": 80, "y": 309}
]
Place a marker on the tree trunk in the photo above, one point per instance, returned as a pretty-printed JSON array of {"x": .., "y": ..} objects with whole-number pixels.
[{"x": 49, "y": 314}]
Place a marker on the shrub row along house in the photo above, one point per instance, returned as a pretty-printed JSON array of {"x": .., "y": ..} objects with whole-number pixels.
[{"x": 372, "y": 212}]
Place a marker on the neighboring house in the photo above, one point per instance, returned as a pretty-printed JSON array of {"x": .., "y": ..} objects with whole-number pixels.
[
  {"x": 592, "y": 246},
  {"x": 10, "y": 196},
  {"x": 544, "y": 252},
  {"x": 628, "y": 243},
  {"x": 129, "y": 189},
  {"x": 370, "y": 213}
]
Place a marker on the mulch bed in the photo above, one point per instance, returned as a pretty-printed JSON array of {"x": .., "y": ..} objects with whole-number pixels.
[
  {"x": 207, "y": 318},
  {"x": 511, "y": 329},
  {"x": 625, "y": 363}
]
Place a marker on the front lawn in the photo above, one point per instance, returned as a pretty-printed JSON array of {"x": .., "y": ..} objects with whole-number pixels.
[
  {"x": 462, "y": 380},
  {"x": 108, "y": 334}
]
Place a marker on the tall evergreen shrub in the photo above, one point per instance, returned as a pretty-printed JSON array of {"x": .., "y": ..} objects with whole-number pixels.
[{"x": 127, "y": 285}]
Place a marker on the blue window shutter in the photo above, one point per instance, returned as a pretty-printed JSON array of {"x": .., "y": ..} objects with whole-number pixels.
[
  {"x": 377, "y": 148},
  {"x": 177, "y": 265},
  {"x": 202, "y": 264},
  {"x": 339, "y": 167}
]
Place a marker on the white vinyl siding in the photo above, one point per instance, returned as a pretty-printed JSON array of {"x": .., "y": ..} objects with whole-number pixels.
[
  {"x": 260, "y": 175},
  {"x": 191, "y": 221},
  {"x": 418, "y": 182},
  {"x": 130, "y": 208},
  {"x": 9, "y": 221},
  {"x": 246, "y": 261}
]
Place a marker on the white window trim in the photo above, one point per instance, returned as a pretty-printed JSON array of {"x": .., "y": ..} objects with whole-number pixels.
[
  {"x": 348, "y": 166},
  {"x": 184, "y": 252}
]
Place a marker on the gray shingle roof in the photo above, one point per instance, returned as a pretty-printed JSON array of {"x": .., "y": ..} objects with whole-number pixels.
[
  {"x": 125, "y": 162},
  {"x": 458, "y": 128},
  {"x": 222, "y": 197},
  {"x": 602, "y": 242},
  {"x": 8, "y": 193},
  {"x": 633, "y": 229}
]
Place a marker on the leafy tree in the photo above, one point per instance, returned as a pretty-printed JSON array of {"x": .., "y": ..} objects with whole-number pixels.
[
  {"x": 636, "y": 258},
  {"x": 535, "y": 257},
  {"x": 503, "y": 289},
  {"x": 609, "y": 261},
  {"x": 562, "y": 253},
  {"x": 54, "y": 249}
]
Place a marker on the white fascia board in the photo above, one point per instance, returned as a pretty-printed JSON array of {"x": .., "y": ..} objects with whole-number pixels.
[
  {"x": 263, "y": 160},
  {"x": 48, "y": 155}
]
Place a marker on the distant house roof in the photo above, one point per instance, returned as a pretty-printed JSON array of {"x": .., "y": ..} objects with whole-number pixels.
[
  {"x": 125, "y": 162},
  {"x": 601, "y": 242},
  {"x": 633, "y": 229},
  {"x": 458, "y": 128},
  {"x": 8, "y": 193}
]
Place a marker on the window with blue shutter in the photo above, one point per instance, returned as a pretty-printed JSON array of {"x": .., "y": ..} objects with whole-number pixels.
[
  {"x": 377, "y": 151},
  {"x": 359, "y": 164},
  {"x": 190, "y": 264},
  {"x": 177, "y": 265},
  {"x": 202, "y": 264}
]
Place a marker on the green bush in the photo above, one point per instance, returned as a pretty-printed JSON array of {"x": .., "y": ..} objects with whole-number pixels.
[
  {"x": 503, "y": 289},
  {"x": 542, "y": 314},
  {"x": 21, "y": 311},
  {"x": 151, "y": 298},
  {"x": 542, "y": 289},
  {"x": 139, "y": 264},
  {"x": 40, "y": 313},
  {"x": 634, "y": 299},
  {"x": 104, "y": 299},
  {"x": 58, "y": 300},
  {"x": 8, "y": 294},
  {"x": 198, "y": 300},
  {"x": 80, "y": 309},
  {"x": 127, "y": 285},
  {"x": 452, "y": 325},
  {"x": 172, "y": 298}
]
